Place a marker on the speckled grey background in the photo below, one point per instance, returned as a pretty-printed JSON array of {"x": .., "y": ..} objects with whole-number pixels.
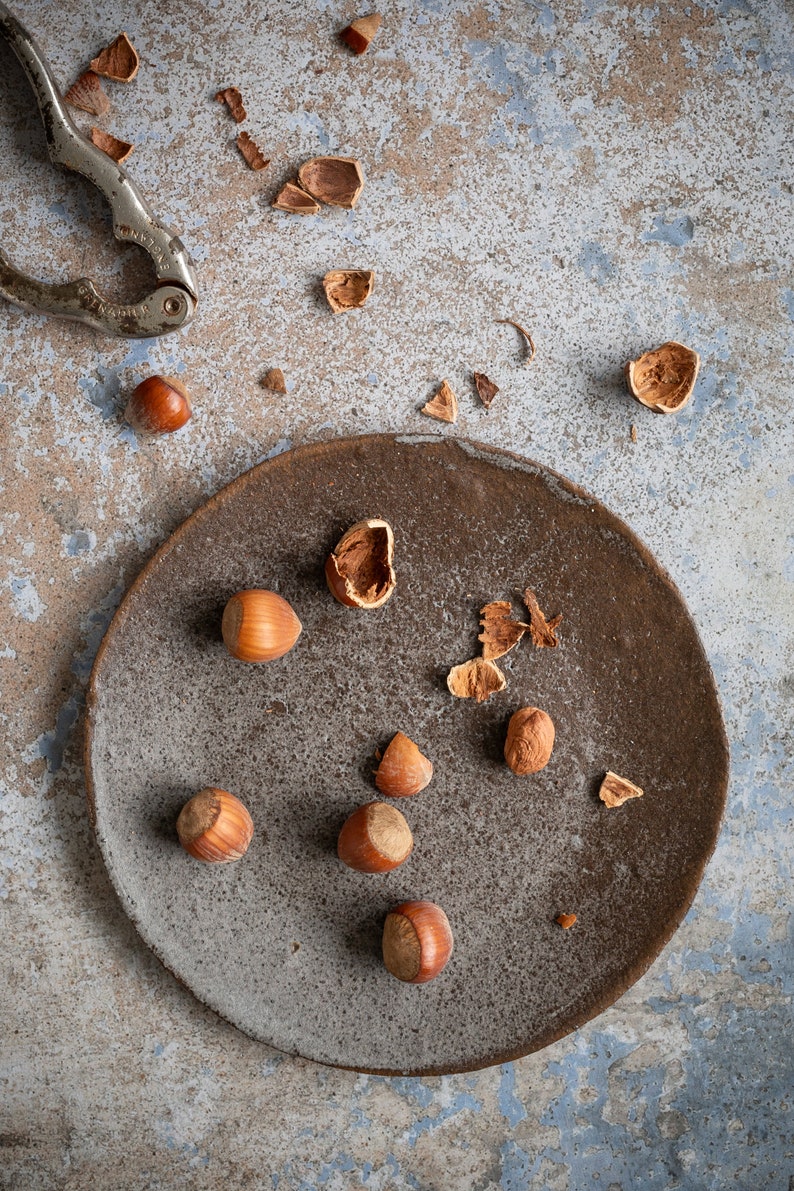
[{"x": 611, "y": 174}]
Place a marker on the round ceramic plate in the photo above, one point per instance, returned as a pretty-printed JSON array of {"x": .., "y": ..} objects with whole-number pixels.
[{"x": 286, "y": 942}]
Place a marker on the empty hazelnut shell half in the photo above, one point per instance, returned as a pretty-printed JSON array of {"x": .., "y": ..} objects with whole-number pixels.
[
  {"x": 663, "y": 379},
  {"x": 259, "y": 626},
  {"x": 375, "y": 839},
  {"x": 337, "y": 181},
  {"x": 214, "y": 826},
  {"x": 417, "y": 941},
  {"x": 530, "y": 739},
  {"x": 359, "y": 570},
  {"x": 403, "y": 770}
]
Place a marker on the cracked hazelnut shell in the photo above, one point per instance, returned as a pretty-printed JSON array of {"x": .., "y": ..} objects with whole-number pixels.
[
  {"x": 663, "y": 379},
  {"x": 359, "y": 570}
]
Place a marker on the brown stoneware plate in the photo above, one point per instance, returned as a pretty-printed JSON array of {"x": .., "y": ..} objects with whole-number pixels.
[{"x": 285, "y": 943}]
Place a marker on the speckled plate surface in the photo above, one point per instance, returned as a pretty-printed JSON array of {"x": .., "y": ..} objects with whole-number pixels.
[{"x": 286, "y": 943}]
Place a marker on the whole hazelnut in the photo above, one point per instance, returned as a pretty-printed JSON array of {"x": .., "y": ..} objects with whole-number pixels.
[
  {"x": 375, "y": 839},
  {"x": 417, "y": 941},
  {"x": 259, "y": 626},
  {"x": 158, "y": 405},
  {"x": 215, "y": 826},
  {"x": 530, "y": 739}
]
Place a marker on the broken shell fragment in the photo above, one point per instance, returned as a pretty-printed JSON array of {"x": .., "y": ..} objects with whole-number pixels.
[
  {"x": 118, "y": 61},
  {"x": 274, "y": 380},
  {"x": 486, "y": 389},
  {"x": 541, "y": 631},
  {"x": 477, "y": 679},
  {"x": 403, "y": 769},
  {"x": 359, "y": 571},
  {"x": 359, "y": 33},
  {"x": 663, "y": 379},
  {"x": 617, "y": 790},
  {"x": 251, "y": 152},
  {"x": 499, "y": 631},
  {"x": 87, "y": 94},
  {"x": 444, "y": 406},
  {"x": 118, "y": 150},
  {"x": 293, "y": 198},
  {"x": 348, "y": 289},
  {"x": 337, "y": 181},
  {"x": 234, "y": 101}
]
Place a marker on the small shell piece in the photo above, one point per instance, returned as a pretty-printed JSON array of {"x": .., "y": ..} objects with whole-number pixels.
[
  {"x": 486, "y": 389},
  {"x": 87, "y": 94},
  {"x": 118, "y": 61},
  {"x": 234, "y": 101},
  {"x": 274, "y": 380},
  {"x": 443, "y": 406},
  {"x": 118, "y": 150},
  {"x": 566, "y": 921},
  {"x": 530, "y": 739},
  {"x": 360, "y": 571},
  {"x": 359, "y": 33},
  {"x": 663, "y": 379},
  {"x": 417, "y": 941},
  {"x": 251, "y": 152},
  {"x": 214, "y": 826},
  {"x": 617, "y": 790},
  {"x": 337, "y": 181},
  {"x": 403, "y": 769},
  {"x": 295, "y": 200},
  {"x": 348, "y": 289},
  {"x": 477, "y": 679}
]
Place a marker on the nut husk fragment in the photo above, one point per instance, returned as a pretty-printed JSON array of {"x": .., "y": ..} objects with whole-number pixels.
[
  {"x": 359, "y": 572},
  {"x": 486, "y": 389},
  {"x": 87, "y": 94},
  {"x": 274, "y": 380},
  {"x": 348, "y": 289},
  {"x": 293, "y": 198},
  {"x": 118, "y": 150},
  {"x": 566, "y": 921},
  {"x": 617, "y": 790},
  {"x": 663, "y": 379},
  {"x": 500, "y": 633},
  {"x": 251, "y": 152},
  {"x": 541, "y": 630},
  {"x": 118, "y": 61},
  {"x": 337, "y": 181},
  {"x": 359, "y": 33},
  {"x": 234, "y": 101},
  {"x": 444, "y": 406},
  {"x": 477, "y": 679}
]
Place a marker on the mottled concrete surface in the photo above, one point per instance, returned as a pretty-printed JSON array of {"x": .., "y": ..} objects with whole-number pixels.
[{"x": 611, "y": 174}]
